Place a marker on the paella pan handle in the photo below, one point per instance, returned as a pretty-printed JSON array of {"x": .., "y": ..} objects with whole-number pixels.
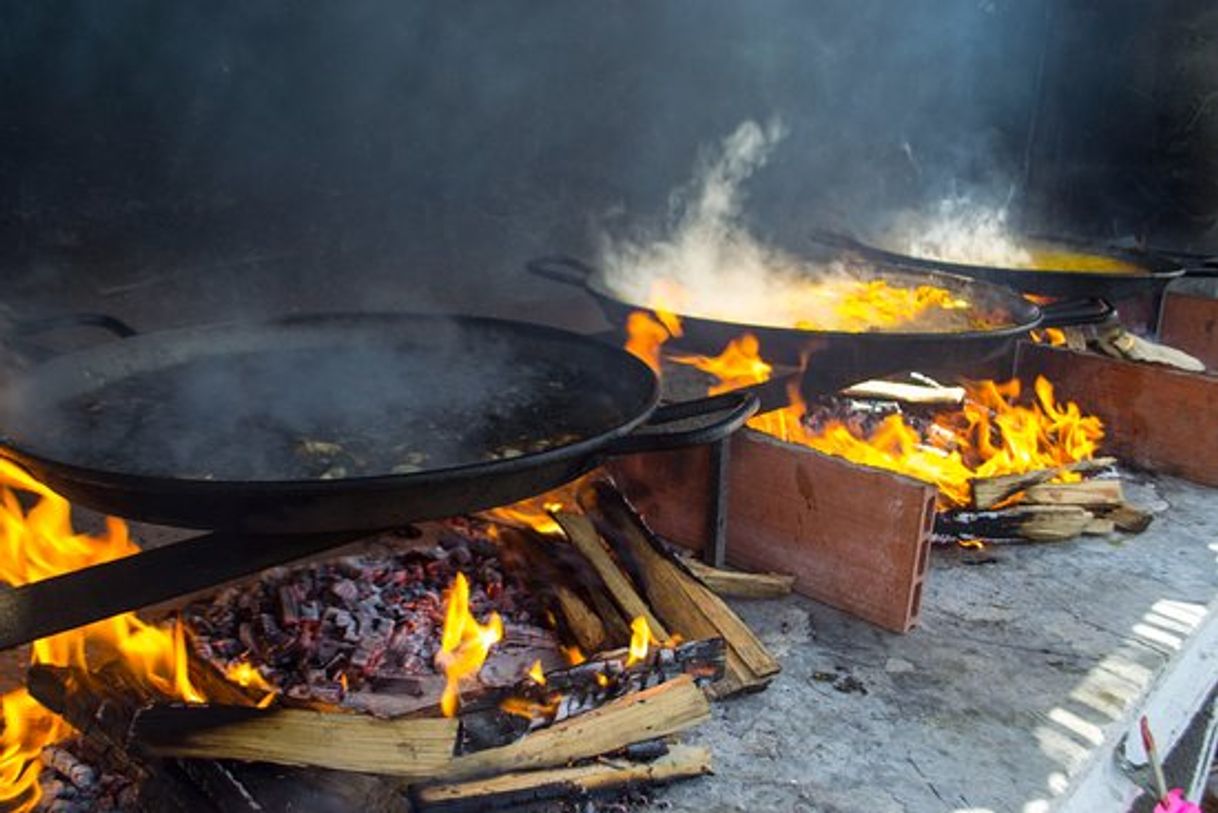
[
  {"x": 561, "y": 268},
  {"x": 1092, "y": 311},
  {"x": 110, "y": 324},
  {"x": 18, "y": 335},
  {"x": 725, "y": 414}
]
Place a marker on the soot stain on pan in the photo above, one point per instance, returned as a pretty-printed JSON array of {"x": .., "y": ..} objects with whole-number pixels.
[{"x": 323, "y": 413}]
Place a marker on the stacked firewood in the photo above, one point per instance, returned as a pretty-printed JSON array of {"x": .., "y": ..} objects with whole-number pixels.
[
  {"x": 1029, "y": 507},
  {"x": 348, "y": 646}
]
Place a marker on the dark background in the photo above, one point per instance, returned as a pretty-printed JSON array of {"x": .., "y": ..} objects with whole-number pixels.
[{"x": 192, "y": 160}]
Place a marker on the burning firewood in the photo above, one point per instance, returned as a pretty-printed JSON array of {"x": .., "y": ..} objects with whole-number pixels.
[
  {"x": 1034, "y": 523},
  {"x": 686, "y": 606},
  {"x": 530, "y": 787},
  {"x": 656, "y": 712},
  {"x": 414, "y": 749},
  {"x": 581, "y": 533}
]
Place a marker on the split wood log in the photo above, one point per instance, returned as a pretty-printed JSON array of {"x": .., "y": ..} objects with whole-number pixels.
[
  {"x": 581, "y": 533},
  {"x": 531, "y": 787},
  {"x": 656, "y": 712},
  {"x": 989, "y": 491},
  {"x": 738, "y": 584},
  {"x": 1087, "y": 493},
  {"x": 1099, "y": 526},
  {"x": 1034, "y": 523},
  {"x": 1129, "y": 519},
  {"x": 684, "y": 604},
  {"x": 416, "y": 748},
  {"x": 906, "y": 392},
  {"x": 583, "y": 623}
]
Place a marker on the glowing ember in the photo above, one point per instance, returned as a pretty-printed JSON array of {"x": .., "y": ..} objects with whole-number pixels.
[
  {"x": 573, "y": 654},
  {"x": 990, "y": 435},
  {"x": 464, "y": 644},
  {"x": 35, "y": 545},
  {"x": 641, "y": 639}
]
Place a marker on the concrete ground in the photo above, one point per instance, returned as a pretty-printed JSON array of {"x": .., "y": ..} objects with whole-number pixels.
[{"x": 1012, "y": 694}]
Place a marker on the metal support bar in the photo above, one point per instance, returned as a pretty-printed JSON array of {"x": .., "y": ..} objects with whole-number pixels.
[
  {"x": 91, "y": 594},
  {"x": 715, "y": 552}
]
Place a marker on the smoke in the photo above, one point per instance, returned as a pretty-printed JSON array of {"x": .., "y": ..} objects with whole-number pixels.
[
  {"x": 708, "y": 247},
  {"x": 959, "y": 229},
  {"x": 709, "y": 263}
]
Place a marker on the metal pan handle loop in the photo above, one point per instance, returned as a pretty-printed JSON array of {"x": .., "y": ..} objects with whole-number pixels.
[
  {"x": 561, "y": 268},
  {"x": 1071, "y": 312},
  {"x": 730, "y": 410}
]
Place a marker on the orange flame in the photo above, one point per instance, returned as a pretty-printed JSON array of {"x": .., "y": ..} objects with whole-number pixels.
[
  {"x": 1053, "y": 336},
  {"x": 537, "y": 674},
  {"x": 573, "y": 654},
  {"x": 246, "y": 675},
  {"x": 464, "y": 643},
  {"x": 41, "y": 543},
  {"x": 645, "y": 335},
  {"x": 990, "y": 435},
  {"x": 641, "y": 639}
]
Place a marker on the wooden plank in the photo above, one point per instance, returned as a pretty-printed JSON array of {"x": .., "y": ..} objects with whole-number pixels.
[
  {"x": 739, "y": 584},
  {"x": 583, "y": 623},
  {"x": 1154, "y": 417},
  {"x": 1035, "y": 523},
  {"x": 1087, "y": 493},
  {"x": 415, "y": 748},
  {"x": 645, "y": 715},
  {"x": 579, "y": 531},
  {"x": 854, "y": 537},
  {"x": 989, "y": 491},
  {"x": 681, "y": 762},
  {"x": 1191, "y": 324}
]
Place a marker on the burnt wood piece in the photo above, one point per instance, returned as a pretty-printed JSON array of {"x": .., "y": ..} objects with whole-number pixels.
[
  {"x": 578, "y": 782},
  {"x": 854, "y": 537},
  {"x": 1129, "y": 519},
  {"x": 83, "y": 596},
  {"x": 582, "y": 535},
  {"x": 989, "y": 491},
  {"x": 415, "y": 749},
  {"x": 1155, "y": 418},
  {"x": 686, "y": 606},
  {"x": 101, "y": 705},
  {"x": 1034, "y": 523},
  {"x": 1191, "y": 324},
  {"x": 739, "y": 584},
  {"x": 656, "y": 712}
]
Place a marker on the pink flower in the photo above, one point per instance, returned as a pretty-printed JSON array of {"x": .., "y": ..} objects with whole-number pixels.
[{"x": 1176, "y": 803}]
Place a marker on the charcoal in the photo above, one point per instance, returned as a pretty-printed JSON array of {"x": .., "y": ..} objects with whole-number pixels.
[{"x": 371, "y": 621}]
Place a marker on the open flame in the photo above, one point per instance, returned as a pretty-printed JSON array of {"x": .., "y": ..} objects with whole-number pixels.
[
  {"x": 39, "y": 543},
  {"x": 991, "y": 434},
  {"x": 1052, "y": 336},
  {"x": 641, "y": 640},
  {"x": 464, "y": 643}
]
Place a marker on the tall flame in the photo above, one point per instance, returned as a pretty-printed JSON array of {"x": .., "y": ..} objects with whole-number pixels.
[
  {"x": 641, "y": 640},
  {"x": 990, "y": 435},
  {"x": 39, "y": 543},
  {"x": 464, "y": 643}
]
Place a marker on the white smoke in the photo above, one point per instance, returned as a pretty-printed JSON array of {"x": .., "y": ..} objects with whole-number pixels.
[
  {"x": 961, "y": 230},
  {"x": 709, "y": 264}
]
